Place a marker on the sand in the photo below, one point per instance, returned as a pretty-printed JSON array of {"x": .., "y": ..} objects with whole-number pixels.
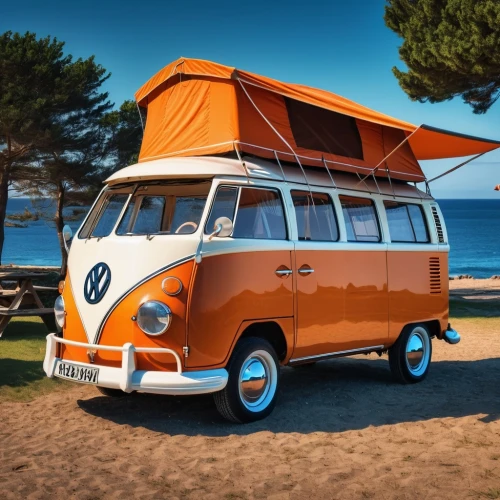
[{"x": 342, "y": 429}]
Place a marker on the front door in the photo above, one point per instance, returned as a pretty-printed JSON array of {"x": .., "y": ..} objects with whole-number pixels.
[{"x": 241, "y": 278}]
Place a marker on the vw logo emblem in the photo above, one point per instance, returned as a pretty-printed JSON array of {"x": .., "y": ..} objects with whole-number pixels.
[{"x": 97, "y": 283}]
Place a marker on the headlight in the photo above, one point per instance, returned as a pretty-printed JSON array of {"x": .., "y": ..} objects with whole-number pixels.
[
  {"x": 154, "y": 317},
  {"x": 59, "y": 312}
]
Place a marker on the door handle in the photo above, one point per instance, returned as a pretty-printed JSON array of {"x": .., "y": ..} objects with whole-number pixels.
[
  {"x": 305, "y": 270},
  {"x": 283, "y": 272}
]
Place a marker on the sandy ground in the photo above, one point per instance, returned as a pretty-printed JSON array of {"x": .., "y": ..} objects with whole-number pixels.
[
  {"x": 342, "y": 429},
  {"x": 468, "y": 288}
]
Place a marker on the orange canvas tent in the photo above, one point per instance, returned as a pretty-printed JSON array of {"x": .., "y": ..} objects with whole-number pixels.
[{"x": 197, "y": 107}]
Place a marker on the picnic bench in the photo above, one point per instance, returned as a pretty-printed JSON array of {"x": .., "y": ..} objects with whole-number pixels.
[{"x": 23, "y": 300}]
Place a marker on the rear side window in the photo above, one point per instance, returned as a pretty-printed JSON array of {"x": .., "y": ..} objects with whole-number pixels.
[
  {"x": 406, "y": 223},
  {"x": 315, "y": 216},
  {"x": 108, "y": 214},
  {"x": 260, "y": 215},
  {"x": 360, "y": 219}
]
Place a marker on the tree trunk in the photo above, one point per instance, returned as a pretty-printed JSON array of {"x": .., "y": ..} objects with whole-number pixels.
[
  {"x": 59, "y": 226},
  {"x": 4, "y": 192}
]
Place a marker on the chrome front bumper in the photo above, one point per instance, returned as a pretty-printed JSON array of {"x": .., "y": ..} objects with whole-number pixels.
[
  {"x": 451, "y": 336},
  {"x": 128, "y": 379}
]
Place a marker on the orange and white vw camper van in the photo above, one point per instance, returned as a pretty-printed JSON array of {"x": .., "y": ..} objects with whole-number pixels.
[{"x": 211, "y": 263}]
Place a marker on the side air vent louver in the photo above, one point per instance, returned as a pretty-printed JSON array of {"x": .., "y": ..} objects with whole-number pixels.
[
  {"x": 435, "y": 275},
  {"x": 439, "y": 227}
]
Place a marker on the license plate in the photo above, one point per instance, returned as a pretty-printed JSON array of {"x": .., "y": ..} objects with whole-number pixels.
[{"x": 77, "y": 373}]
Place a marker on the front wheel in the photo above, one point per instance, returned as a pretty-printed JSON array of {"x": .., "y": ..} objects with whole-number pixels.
[
  {"x": 410, "y": 356},
  {"x": 250, "y": 393}
]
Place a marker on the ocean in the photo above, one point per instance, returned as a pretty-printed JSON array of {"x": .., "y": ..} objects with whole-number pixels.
[{"x": 473, "y": 229}]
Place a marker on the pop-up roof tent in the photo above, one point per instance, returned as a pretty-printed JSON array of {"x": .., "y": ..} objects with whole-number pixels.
[{"x": 197, "y": 108}]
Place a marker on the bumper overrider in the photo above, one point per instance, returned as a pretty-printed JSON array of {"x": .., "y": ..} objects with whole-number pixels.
[{"x": 127, "y": 377}]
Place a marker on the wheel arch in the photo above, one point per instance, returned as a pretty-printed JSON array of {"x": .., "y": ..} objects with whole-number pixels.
[
  {"x": 433, "y": 325},
  {"x": 278, "y": 332}
]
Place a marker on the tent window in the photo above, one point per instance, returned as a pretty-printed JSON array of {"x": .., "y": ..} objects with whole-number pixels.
[
  {"x": 323, "y": 130},
  {"x": 360, "y": 219},
  {"x": 406, "y": 223},
  {"x": 315, "y": 216}
]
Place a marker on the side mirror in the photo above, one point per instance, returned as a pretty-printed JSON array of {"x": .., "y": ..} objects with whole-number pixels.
[
  {"x": 67, "y": 234},
  {"x": 223, "y": 228}
]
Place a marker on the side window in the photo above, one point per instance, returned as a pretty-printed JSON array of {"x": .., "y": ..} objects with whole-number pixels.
[
  {"x": 315, "y": 216},
  {"x": 224, "y": 206},
  {"x": 360, "y": 219},
  {"x": 108, "y": 214},
  {"x": 406, "y": 222},
  {"x": 260, "y": 215},
  {"x": 418, "y": 222}
]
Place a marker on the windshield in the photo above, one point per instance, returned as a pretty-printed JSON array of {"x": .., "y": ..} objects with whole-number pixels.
[{"x": 167, "y": 208}]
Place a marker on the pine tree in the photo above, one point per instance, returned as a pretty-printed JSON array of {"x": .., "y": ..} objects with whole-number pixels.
[
  {"x": 124, "y": 129},
  {"x": 50, "y": 106},
  {"x": 451, "y": 48},
  {"x": 82, "y": 149}
]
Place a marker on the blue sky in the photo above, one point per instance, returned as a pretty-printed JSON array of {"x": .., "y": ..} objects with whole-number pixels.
[{"x": 339, "y": 46}]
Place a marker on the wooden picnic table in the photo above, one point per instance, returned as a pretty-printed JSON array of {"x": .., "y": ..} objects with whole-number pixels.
[{"x": 23, "y": 300}]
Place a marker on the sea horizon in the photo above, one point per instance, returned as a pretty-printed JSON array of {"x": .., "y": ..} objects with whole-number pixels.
[{"x": 473, "y": 226}]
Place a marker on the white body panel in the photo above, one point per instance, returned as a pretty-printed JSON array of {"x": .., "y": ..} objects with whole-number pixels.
[{"x": 130, "y": 259}]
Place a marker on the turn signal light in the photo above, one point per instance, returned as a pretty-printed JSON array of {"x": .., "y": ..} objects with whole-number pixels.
[
  {"x": 60, "y": 287},
  {"x": 171, "y": 285}
]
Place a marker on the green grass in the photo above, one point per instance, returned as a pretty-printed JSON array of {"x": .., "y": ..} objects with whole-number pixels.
[{"x": 22, "y": 349}]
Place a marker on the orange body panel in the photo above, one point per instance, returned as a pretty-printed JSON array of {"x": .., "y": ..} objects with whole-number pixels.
[
  {"x": 228, "y": 290},
  {"x": 343, "y": 304},
  {"x": 120, "y": 328},
  {"x": 73, "y": 327},
  {"x": 410, "y": 297},
  {"x": 354, "y": 299}
]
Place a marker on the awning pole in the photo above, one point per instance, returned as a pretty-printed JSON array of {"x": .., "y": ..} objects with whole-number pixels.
[
  {"x": 140, "y": 116},
  {"x": 329, "y": 173},
  {"x": 393, "y": 151},
  {"x": 390, "y": 183},
  {"x": 280, "y": 136},
  {"x": 363, "y": 180},
  {"x": 242, "y": 162},
  {"x": 456, "y": 168},
  {"x": 279, "y": 163},
  {"x": 376, "y": 184}
]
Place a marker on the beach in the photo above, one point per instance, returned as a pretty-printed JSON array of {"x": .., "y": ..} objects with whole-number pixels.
[{"x": 341, "y": 429}]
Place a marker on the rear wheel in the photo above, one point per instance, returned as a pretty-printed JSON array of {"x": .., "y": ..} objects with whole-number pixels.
[
  {"x": 410, "y": 356},
  {"x": 250, "y": 393},
  {"x": 111, "y": 393}
]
